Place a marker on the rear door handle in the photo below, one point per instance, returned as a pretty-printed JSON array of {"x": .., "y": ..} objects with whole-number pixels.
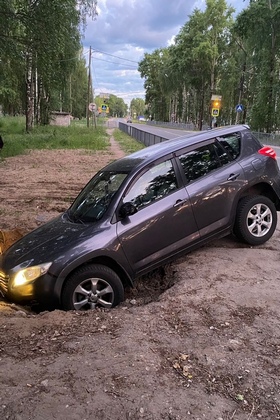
[{"x": 180, "y": 202}]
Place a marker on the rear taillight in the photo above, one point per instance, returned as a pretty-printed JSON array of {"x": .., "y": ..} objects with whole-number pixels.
[{"x": 268, "y": 151}]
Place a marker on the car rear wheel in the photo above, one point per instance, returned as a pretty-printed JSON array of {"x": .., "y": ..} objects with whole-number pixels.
[
  {"x": 256, "y": 220},
  {"x": 91, "y": 287}
]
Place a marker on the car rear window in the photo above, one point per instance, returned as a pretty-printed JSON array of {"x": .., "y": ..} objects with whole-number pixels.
[
  {"x": 199, "y": 162},
  {"x": 231, "y": 143}
]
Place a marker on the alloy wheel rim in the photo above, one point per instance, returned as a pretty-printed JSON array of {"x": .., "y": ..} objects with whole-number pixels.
[
  {"x": 93, "y": 292},
  {"x": 259, "y": 220}
]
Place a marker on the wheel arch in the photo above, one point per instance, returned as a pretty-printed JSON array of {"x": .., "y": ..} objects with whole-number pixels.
[
  {"x": 264, "y": 189},
  {"x": 101, "y": 260}
]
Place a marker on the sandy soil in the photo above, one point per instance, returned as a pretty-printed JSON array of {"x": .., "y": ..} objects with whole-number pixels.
[{"x": 198, "y": 339}]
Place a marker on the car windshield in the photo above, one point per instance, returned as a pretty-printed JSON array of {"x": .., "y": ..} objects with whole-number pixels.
[{"x": 95, "y": 198}]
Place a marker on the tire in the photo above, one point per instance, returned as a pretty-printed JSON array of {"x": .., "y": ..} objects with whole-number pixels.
[
  {"x": 256, "y": 220},
  {"x": 91, "y": 287}
]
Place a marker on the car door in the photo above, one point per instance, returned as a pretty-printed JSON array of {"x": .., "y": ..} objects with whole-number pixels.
[
  {"x": 213, "y": 178},
  {"x": 164, "y": 223}
]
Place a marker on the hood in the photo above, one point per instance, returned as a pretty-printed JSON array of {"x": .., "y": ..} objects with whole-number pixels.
[{"x": 47, "y": 243}]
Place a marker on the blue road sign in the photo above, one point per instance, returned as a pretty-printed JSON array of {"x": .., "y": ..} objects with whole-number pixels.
[{"x": 239, "y": 108}]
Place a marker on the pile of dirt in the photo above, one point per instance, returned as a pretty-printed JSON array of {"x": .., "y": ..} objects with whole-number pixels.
[
  {"x": 8, "y": 237},
  {"x": 198, "y": 339}
]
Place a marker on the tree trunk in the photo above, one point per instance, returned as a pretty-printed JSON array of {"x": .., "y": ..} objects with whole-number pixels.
[
  {"x": 271, "y": 107},
  {"x": 200, "y": 121},
  {"x": 29, "y": 113}
]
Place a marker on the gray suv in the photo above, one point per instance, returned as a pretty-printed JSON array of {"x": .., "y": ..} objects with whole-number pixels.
[{"x": 143, "y": 211}]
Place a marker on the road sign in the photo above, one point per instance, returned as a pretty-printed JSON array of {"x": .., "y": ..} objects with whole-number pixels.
[
  {"x": 104, "y": 107},
  {"x": 215, "y": 112},
  {"x": 104, "y": 95},
  {"x": 216, "y": 97},
  {"x": 239, "y": 108},
  {"x": 92, "y": 107}
]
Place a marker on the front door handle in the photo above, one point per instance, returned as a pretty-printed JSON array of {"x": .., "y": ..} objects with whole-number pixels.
[{"x": 233, "y": 177}]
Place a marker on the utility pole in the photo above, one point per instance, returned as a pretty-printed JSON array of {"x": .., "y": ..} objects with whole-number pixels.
[
  {"x": 89, "y": 85},
  {"x": 70, "y": 94}
]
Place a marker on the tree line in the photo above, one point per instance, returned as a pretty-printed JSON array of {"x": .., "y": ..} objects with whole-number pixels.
[
  {"x": 219, "y": 53},
  {"x": 41, "y": 64}
]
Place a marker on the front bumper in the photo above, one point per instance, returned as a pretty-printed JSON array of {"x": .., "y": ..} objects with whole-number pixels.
[{"x": 40, "y": 290}]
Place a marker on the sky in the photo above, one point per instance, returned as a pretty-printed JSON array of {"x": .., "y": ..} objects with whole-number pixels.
[{"x": 124, "y": 31}]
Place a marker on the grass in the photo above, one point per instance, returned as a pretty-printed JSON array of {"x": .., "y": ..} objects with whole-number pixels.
[
  {"x": 127, "y": 143},
  {"x": 77, "y": 136},
  {"x": 17, "y": 141}
]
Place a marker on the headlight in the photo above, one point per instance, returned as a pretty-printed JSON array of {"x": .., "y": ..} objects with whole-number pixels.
[{"x": 29, "y": 274}]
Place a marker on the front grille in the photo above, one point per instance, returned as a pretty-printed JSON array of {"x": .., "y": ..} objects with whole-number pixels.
[{"x": 4, "y": 280}]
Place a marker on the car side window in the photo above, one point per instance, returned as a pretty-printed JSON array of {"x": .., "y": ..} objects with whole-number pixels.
[
  {"x": 231, "y": 143},
  {"x": 224, "y": 157},
  {"x": 156, "y": 183},
  {"x": 199, "y": 162}
]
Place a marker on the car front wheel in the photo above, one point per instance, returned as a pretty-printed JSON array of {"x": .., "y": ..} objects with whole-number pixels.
[
  {"x": 256, "y": 220},
  {"x": 91, "y": 287}
]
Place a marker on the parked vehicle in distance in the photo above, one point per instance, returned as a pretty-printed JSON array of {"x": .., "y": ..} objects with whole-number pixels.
[
  {"x": 129, "y": 120},
  {"x": 143, "y": 211}
]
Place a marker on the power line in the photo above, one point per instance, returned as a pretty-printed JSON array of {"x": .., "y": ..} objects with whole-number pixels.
[
  {"x": 100, "y": 59},
  {"x": 114, "y": 62},
  {"x": 115, "y": 56}
]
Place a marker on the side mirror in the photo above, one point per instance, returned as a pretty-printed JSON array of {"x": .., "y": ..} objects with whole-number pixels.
[{"x": 127, "y": 209}]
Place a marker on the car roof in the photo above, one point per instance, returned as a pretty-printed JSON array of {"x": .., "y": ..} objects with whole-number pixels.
[{"x": 156, "y": 151}]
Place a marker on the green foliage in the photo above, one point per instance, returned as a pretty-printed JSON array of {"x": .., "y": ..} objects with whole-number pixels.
[
  {"x": 180, "y": 80},
  {"x": 77, "y": 136},
  {"x": 117, "y": 106},
  {"x": 137, "y": 107},
  {"x": 153, "y": 69},
  {"x": 11, "y": 125},
  {"x": 127, "y": 143},
  {"x": 257, "y": 29},
  {"x": 39, "y": 43},
  {"x": 213, "y": 54}
]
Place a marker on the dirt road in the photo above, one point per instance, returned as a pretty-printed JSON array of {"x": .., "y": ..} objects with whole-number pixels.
[{"x": 199, "y": 339}]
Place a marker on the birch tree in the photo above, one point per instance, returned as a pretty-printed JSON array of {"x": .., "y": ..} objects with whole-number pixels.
[{"x": 43, "y": 37}]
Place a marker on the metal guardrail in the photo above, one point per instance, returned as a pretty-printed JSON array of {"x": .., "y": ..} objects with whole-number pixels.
[
  {"x": 148, "y": 139},
  {"x": 273, "y": 139},
  {"x": 182, "y": 126}
]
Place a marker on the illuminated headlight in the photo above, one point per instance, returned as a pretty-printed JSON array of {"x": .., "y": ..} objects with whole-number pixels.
[{"x": 29, "y": 274}]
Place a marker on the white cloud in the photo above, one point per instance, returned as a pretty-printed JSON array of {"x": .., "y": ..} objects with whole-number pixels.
[{"x": 124, "y": 30}]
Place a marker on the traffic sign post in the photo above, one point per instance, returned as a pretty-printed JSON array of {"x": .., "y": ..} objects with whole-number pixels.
[
  {"x": 216, "y": 104},
  {"x": 105, "y": 108},
  {"x": 239, "y": 108},
  {"x": 92, "y": 108},
  {"x": 215, "y": 112}
]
